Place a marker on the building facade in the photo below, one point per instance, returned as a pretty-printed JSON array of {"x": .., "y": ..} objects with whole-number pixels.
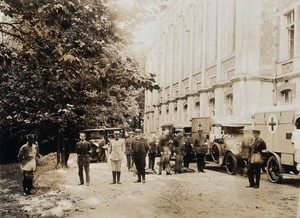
[{"x": 223, "y": 59}]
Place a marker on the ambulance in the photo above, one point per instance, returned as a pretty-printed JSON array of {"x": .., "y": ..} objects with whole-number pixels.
[
  {"x": 276, "y": 125},
  {"x": 225, "y": 141}
]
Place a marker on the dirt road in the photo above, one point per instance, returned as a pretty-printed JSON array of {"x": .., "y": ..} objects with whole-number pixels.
[{"x": 210, "y": 194}]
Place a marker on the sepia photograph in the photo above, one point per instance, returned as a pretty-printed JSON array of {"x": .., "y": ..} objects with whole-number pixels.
[{"x": 149, "y": 108}]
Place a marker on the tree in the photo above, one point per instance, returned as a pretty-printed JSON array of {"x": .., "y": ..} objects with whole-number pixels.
[{"x": 63, "y": 68}]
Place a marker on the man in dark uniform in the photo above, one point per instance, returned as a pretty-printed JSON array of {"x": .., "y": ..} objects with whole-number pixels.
[
  {"x": 83, "y": 149},
  {"x": 152, "y": 151},
  {"x": 164, "y": 147},
  {"x": 128, "y": 150},
  {"x": 178, "y": 144},
  {"x": 200, "y": 147},
  {"x": 188, "y": 150},
  {"x": 139, "y": 151},
  {"x": 254, "y": 168}
]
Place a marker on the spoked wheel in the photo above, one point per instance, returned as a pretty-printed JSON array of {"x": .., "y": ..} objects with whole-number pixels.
[
  {"x": 273, "y": 170},
  {"x": 215, "y": 153},
  {"x": 231, "y": 163}
]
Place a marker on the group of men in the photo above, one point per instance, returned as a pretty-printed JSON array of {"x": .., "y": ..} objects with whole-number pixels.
[
  {"x": 136, "y": 147},
  {"x": 183, "y": 148}
]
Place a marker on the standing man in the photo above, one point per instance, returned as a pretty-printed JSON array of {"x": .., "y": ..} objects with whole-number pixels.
[
  {"x": 27, "y": 158},
  {"x": 200, "y": 147},
  {"x": 254, "y": 168},
  {"x": 178, "y": 144},
  {"x": 140, "y": 148},
  {"x": 83, "y": 149},
  {"x": 152, "y": 151},
  {"x": 128, "y": 150},
  {"x": 116, "y": 151},
  {"x": 164, "y": 147},
  {"x": 188, "y": 150}
]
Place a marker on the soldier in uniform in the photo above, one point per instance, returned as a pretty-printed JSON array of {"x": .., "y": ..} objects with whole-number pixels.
[
  {"x": 27, "y": 156},
  {"x": 152, "y": 151},
  {"x": 164, "y": 147},
  {"x": 178, "y": 144},
  {"x": 188, "y": 150},
  {"x": 83, "y": 149},
  {"x": 128, "y": 150},
  {"x": 254, "y": 168},
  {"x": 200, "y": 147},
  {"x": 139, "y": 152},
  {"x": 116, "y": 151}
]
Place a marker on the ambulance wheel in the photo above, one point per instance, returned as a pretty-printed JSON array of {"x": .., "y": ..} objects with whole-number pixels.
[
  {"x": 215, "y": 153},
  {"x": 231, "y": 163},
  {"x": 273, "y": 170}
]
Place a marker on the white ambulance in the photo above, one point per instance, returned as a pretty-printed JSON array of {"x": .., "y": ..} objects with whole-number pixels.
[{"x": 277, "y": 123}]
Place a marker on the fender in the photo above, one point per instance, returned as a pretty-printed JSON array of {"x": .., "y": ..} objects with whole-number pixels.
[{"x": 270, "y": 154}]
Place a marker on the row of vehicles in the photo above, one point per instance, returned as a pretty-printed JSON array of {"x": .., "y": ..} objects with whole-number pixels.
[
  {"x": 99, "y": 137},
  {"x": 227, "y": 140}
]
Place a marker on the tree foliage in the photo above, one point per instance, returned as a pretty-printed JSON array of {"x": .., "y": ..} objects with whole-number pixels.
[{"x": 63, "y": 68}]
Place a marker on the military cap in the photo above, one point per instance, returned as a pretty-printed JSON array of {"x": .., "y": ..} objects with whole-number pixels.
[
  {"x": 256, "y": 131},
  {"x": 30, "y": 136}
]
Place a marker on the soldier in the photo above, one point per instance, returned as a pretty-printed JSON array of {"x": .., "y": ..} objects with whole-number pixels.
[
  {"x": 116, "y": 151},
  {"x": 178, "y": 144},
  {"x": 254, "y": 168},
  {"x": 188, "y": 150},
  {"x": 152, "y": 151},
  {"x": 200, "y": 147},
  {"x": 27, "y": 156},
  {"x": 165, "y": 152},
  {"x": 128, "y": 150},
  {"x": 139, "y": 152},
  {"x": 83, "y": 149}
]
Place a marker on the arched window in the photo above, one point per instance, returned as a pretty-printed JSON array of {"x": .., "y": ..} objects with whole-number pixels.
[{"x": 185, "y": 105}]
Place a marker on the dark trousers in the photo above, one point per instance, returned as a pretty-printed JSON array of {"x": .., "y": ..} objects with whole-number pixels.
[
  {"x": 129, "y": 161},
  {"x": 200, "y": 162},
  {"x": 254, "y": 169},
  {"x": 87, "y": 172},
  {"x": 178, "y": 163},
  {"x": 151, "y": 160},
  {"x": 140, "y": 164},
  {"x": 27, "y": 181},
  {"x": 67, "y": 155},
  {"x": 187, "y": 159}
]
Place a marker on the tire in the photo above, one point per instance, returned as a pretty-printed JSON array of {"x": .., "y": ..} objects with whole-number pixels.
[
  {"x": 215, "y": 153},
  {"x": 273, "y": 170},
  {"x": 231, "y": 163}
]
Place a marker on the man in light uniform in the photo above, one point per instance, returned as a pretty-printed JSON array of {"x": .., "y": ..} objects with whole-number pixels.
[{"x": 27, "y": 158}]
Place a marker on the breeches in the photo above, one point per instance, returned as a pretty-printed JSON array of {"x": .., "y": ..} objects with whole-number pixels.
[
  {"x": 116, "y": 165},
  {"x": 164, "y": 162},
  {"x": 140, "y": 164}
]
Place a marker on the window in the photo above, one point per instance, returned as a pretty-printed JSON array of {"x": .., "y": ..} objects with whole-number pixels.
[
  {"x": 291, "y": 33},
  {"x": 212, "y": 106},
  {"x": 229, "y": 101},
  {"x": 286, "y": 95}
]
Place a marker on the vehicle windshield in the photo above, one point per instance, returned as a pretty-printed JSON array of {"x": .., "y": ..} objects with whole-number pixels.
[
  {"x": 94, "y": 135},
  {"x": 233, "y": 131}
]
